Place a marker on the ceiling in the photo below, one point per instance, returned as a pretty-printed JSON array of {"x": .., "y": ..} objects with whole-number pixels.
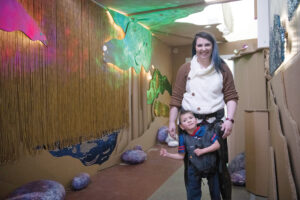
[{"x": 160, "y": 15}]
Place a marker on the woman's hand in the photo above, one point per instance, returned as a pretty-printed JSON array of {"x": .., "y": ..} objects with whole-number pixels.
[
  {"x": 172, "y": 119},
  {"x": 172, "y": 129},
  {"x": 227, "y": 128},
  {"x": 227, "y": 125}
]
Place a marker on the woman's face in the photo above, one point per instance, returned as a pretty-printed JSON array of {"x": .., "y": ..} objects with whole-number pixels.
[{"x": 203, "y": 48}]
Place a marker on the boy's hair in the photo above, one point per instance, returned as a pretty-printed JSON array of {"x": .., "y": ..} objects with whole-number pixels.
[{"x": 182, "y": 112}]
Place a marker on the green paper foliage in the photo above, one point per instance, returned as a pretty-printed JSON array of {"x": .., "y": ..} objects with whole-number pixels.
[
  {"x": 135, "y": 50},
  {"x": 158, "y": 84},
  {"x": 161, "y": 109}
]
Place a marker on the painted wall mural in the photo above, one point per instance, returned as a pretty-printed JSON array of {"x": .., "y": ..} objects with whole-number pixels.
[
  {"x": 134, "y": 50},
  {"x": 161, "y": 109},
  {"x": 92, "y": 151},
  {"x": 292, "y": 6},
  {"x": 13, "y": 17},
  {"x": 277, "y": 41},
  {"x": 158, "y": 84},
  {"x": 63, "y": 92}
]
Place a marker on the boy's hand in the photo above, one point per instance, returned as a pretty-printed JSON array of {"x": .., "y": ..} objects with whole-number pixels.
[
  {"x": 163, "y": 152},
  {"x": 199, "y": 152}
]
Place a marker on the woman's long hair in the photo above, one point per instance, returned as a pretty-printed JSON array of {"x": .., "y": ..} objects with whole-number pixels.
[{"x": 215, "y": 51}]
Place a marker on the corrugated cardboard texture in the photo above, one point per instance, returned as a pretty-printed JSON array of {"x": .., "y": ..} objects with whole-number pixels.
[
  {"x": 285, "y": 182},
  {"x": 291, "y": 85},
  {"x": 257, "y": 152},
  {"x": 251, "y": 86},
  {"x": 272, "y": 185},
  {"x": 288, "y": 125}
]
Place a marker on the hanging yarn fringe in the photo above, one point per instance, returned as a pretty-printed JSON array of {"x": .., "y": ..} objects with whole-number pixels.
[{"x": 60, "y": 95}]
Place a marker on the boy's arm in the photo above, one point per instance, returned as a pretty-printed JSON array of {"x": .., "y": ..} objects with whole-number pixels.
[
  {"x": 165, "y": 153},
  {"x": 214, "y": 147}
]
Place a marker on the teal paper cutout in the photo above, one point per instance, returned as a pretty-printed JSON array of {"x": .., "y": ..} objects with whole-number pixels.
[
  {"x": 158, "y": 84},
  {"x": 135, "y": 50}
]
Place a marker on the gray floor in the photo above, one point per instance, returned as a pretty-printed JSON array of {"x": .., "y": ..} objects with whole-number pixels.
[{"x": 174, "y": 189}]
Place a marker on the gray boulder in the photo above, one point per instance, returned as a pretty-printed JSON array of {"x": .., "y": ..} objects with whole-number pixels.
[
  {"x": 134, "y": 156},
  {"x": 39, "y": 190},
  {"x": 80, "y": 181},
  {"x": 237, "y": 164},
  {"x": 162, "y": 134}
]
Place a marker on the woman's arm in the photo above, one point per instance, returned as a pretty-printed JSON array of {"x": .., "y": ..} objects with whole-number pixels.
[
  {"x": 227, "y": 125},
  {"x": 178, "y": 91},
  {"x": 172, "y": 121},
  {"x": 230, "y": 97},
  {"x": 165, "y": 153},
  {"x": 214, "y": 147}
]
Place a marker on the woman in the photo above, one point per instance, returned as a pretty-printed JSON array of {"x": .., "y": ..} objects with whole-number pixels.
[{"x": 204, "y": 86}]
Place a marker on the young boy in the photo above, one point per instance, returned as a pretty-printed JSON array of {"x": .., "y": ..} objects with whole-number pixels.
[{"x": 199, "y": 146}]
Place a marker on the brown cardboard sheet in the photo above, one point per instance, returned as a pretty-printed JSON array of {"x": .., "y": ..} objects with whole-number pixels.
[
  {"x": 250, "y": 84},
  {"x": 292, "y": 90},
  {"x": 285, "y": 181},
  {"x": 272, "y": 185},
  {"x": 257, "y": 152},
  {"x": 289, "y": 127}
]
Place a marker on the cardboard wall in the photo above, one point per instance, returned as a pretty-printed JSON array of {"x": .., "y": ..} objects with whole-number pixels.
[
  {"x": 229, "y": 47},
  {"x": 288, "y": 125},
  {"x": 257, "y": 152},
  {"x": 284, "y": 177},
  {"x": 272, "y": 185},
  {"x": 250, "y": 83},
  {"x": 285, "y": 91},
  {"x": 179, "y": 54}
]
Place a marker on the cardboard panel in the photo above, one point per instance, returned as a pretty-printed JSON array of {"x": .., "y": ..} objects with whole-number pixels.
[
  {"x": 257, "y": 152},
  {"x": 291, "y": 83},
  {"x": 272, "y": 185},
  {"x": 251, "y": 86},
  {"x": 289, "y": 127},
  {"x": 285, "y": 181}
]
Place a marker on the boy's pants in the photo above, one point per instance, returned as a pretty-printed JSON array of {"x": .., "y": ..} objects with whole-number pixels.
[{"x": 193, "y": 185}]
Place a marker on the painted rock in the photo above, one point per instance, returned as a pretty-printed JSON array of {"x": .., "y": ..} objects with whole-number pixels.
[
  {"x": 239, "y": 178},
  {"x": 39, "y": 190},
  {"x": 237, "y": 164},
  {"x": 134, "y": 156},
  {"x": 138, "y": 147},
  {"x": 80, "y": 181},
  {"x": 162, "y": 134}
]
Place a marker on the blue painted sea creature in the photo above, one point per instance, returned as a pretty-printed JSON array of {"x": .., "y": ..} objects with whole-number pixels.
[{"x": 90, "y": 152}]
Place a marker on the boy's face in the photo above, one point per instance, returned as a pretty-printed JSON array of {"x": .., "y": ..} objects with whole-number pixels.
[{"x": 188, "y": 121}]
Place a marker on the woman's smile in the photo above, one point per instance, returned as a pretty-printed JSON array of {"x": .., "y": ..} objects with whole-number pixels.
[{"x": 203, "y": 49}]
